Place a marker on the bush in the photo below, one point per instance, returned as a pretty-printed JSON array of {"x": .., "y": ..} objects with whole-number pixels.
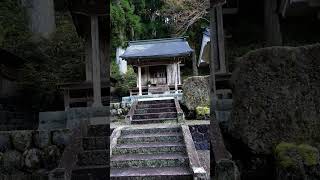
[{"x": 124, "y": 81}]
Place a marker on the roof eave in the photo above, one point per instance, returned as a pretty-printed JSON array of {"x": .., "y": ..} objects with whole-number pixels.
[{"x": 157, "y": 56}]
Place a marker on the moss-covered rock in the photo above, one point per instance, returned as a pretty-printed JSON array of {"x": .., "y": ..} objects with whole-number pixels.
[
  {"x": 21, "y": 140},
  {"x": 12, "y": 161},
  {"x": 61, "y": 137},
  {"x": 51, "y": 157},
  {"x": 296, "y": 161},
  {"x": 196, "y": 92},
  {"x": 309, "y": 154},
  {"x": 276, "y": 94},
  {"x": 32, "y": 159}
]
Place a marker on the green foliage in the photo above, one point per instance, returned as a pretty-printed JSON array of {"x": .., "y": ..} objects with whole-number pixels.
[
  {"x": 125, "y": 81},
  {"x": 125, "y": 24},
  {"x": 115, "y": 73},
  {"x": 202, "y": 111},
  {"x": 309, "y": 154},
  {"x": 292, "y": 156},
  {"x": 48, "y": 62},
  {"x": 13, "y": 24},
  {"x": 283, "y": 157}
]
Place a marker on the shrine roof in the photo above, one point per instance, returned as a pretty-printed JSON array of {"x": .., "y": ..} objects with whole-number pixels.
[{"x": 157, "y": 48}]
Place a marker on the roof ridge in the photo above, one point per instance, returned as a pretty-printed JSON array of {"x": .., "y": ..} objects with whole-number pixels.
[{"x": 158, "y": 40}]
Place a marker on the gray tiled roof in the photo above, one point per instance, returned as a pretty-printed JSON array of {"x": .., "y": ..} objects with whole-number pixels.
[{"x": 157, "y": 48}]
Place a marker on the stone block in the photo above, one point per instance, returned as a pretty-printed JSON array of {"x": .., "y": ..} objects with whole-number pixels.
[
  {"x": 41, "y": 139},
  {"x": 21, "y": 140},
  {"x": 61, "y": 138},
  {"x": 52, "y": 120},
  {"x": 12, "y": 161}
]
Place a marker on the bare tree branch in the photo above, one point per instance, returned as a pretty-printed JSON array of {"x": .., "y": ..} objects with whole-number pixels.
[{"x": 184, "y": 13}]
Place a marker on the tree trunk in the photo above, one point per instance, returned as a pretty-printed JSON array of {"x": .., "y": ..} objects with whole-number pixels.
[
  {"x": 273, "y": 34},
  {"x": 41, "y": 17},
  {"x": 194, "y": 65}
]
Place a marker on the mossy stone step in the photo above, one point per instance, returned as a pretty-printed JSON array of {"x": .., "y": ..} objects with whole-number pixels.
[
  {"x": 94, "y": 157},
  {"x": 155, "y": 115},
  {"x": 96, "y": 143},
  {"x": 159, "y": 105},
  {"x": 156, "y": 101},
  {"x": 155, "y": 110},
  {"x": 167, "y": 173},
  {"x": 149, "y": 160},
  {"x": 149, "y": 138},
  {"x": 91, "y": 172},
  {"x": 150, "y": 131},
  {"x": 153, "y": 121},
  {"x": 149, "y": 148}
]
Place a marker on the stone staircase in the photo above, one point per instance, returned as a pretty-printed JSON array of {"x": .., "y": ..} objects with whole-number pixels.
[
  {"x": 156, "y": 111},
  {"x": 93, "y": 161},
  {"x": 150, "y": 153}
]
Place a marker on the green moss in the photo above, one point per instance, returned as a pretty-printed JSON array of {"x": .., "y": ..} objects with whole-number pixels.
[
  {"x": 291, "y": 156},
  {"x": 202, "y": 111},
  {"x": 283, "y": 157},
  {"x": 309, "y": 154}
]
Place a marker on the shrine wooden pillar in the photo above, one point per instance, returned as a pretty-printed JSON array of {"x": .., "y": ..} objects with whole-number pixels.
[
  {"x": 96, "y": 76},
  {"x": 176, "y": 77},
  {"x": 92, "y": 17}
]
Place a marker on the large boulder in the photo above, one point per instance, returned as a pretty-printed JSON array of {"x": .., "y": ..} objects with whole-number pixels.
[
  {"x": 61, "y": 137},
  {"x": 32, "y": 159},
  {"x": 12, "y": 161},
  {"x": 196, "y": 92},
  {"x": 277, "y": 97},
  {"x": 51, "y": 157},
  {"x": 297, "y": 162},
  {"x": 21, "y": 140}
]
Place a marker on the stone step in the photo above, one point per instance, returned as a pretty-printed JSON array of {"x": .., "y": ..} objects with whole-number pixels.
[
  {"x": 96, "y": 143},
  {"x": 156, "y": 101},
  {"x": 168, "y": 173},
  {"x": 150, "y": 131},
  {"x": 99, "y": 130},
  {"x": 149, "y": 160},
  {"x": 159, "y": 105},
  {"x": 155, "y": 110},
  {"x": 94, "y": 157},
  {"x": 148, "y": 138},
  {"x": 153, "y": 121},
  {"x": 149, "y": 148},
  {"x": 91, "y": 173},
  {"x": 155, "y": 115}
]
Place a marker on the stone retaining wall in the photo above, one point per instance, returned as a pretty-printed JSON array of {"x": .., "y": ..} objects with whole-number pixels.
[
  {"x": 29, "y": 152},
  {"x": 200, "y": 136},
  {"x": 119, "y": 109},
  {"x": 70, "y": 118}
]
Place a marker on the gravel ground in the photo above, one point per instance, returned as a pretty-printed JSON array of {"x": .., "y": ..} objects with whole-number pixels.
[{"x": 204, "y": 157}]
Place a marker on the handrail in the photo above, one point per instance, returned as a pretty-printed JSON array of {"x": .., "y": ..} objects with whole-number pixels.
[
  {"x": 199, "y": 172},
  {"x": 180, "y": 113},
  {"x": 114, "y": 138}
]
